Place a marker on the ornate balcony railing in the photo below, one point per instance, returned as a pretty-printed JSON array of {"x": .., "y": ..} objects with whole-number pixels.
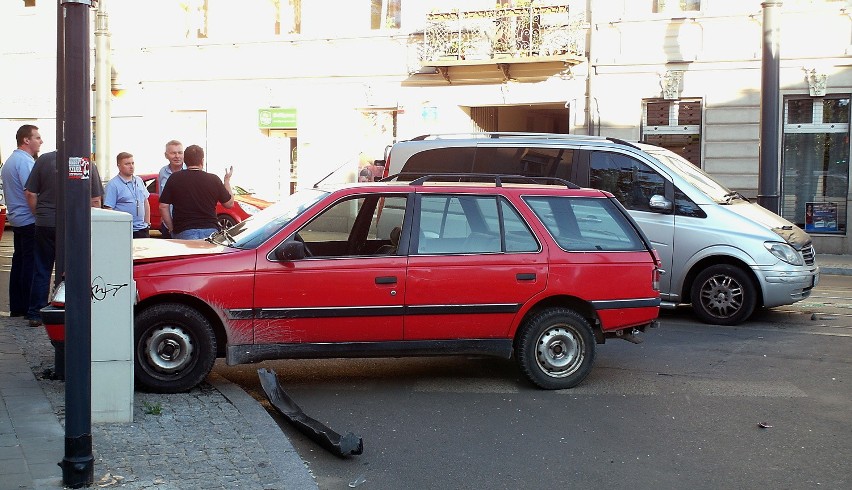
[{"x": 512, "y": 32}]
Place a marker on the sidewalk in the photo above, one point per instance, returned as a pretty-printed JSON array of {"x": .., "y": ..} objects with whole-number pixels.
[{"x": 214, "y": 437}]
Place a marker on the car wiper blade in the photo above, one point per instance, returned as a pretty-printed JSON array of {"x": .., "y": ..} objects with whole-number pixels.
[
  {"x": 733, "y": 195},
  {"x": 223, "y": 232}
]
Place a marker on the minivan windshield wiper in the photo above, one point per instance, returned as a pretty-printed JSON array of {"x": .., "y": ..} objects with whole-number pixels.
[{"x": 731, "y": 196}]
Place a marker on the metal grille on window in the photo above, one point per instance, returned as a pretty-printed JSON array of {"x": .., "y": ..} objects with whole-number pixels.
[
  {"x": 675, "y": 125},
  {"x": 815, "y": 163}
]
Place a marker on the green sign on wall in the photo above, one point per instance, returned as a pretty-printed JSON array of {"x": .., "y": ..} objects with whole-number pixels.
[{"x": 276, "y": 118}]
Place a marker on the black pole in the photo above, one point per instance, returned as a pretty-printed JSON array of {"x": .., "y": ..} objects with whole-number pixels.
[
  {"x": 61, "y": 176},
  {"x": 78, "y": 463},
  {"x": 770, "y": 143},
  {"x": 62, "y": 169}
]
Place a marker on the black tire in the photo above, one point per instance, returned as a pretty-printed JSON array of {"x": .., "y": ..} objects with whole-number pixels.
[
  {"x": 225, "y": 221},
  {"x": 556, "y": 349},
  {"x": 175, "y": 348},
  {"x": 723, "y": 294}
]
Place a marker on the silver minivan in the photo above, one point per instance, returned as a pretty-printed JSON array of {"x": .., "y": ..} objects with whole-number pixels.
[{"x": 723, "y": 254}]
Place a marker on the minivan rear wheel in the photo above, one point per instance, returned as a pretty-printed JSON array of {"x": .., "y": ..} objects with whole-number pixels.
[{"x": 723, "y": 294}]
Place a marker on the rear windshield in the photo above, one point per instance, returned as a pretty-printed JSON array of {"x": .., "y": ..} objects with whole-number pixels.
[{"x": 580, "y": 224}]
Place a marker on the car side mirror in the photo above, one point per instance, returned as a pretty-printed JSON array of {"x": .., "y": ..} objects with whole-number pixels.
[
  {"x": 660, "y": 204},
  {"x": 292, "y": 250}
]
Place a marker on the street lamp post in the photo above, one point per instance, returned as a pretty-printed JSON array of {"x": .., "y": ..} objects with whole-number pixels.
[
  {"x": 78, "y": 462},
  {"x": 103, "y": 91},
  {"x": 770, "y": 115}
]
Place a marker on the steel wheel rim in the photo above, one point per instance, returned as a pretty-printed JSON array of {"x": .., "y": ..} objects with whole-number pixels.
[
  {"x": 559, "y": 351},
  {"x": 722, "y": 296},
  {"x": 168, "y": 350}
]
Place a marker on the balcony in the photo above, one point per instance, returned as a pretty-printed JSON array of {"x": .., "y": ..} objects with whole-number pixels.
[{"x": 502, "y": 37}]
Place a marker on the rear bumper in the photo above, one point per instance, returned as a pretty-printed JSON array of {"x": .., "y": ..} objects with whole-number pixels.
[{"x": 54, "y": 323}]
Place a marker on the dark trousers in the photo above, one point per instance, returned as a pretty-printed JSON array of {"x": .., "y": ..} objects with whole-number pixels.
[
  {"x": 143, "y": 233},
  {"x": 164, "y": 231},
  {"x": 21, "y": 275},
  {"x": 45, "y": 255}
]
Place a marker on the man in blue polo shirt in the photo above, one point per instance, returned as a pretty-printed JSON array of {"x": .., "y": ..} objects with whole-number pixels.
[
  {"x": 15, "y": 172},
  {"x": 127, "y": 193}
]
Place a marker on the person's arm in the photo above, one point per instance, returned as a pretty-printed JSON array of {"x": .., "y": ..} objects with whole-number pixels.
[
  {"x": 97, "y": 188},
  {"x": 32, "y": 200},
  {"x": 227, "y": 182},
  {"x": 147, "y": 213},
  {"x": 166, "y": 215}
]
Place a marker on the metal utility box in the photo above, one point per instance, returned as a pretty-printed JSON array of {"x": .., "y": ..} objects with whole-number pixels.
[{"x": 113, "y": 293}]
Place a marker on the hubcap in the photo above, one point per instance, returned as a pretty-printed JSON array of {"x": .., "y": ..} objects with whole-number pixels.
[
  {"x": 168, "y": 350},
  {"x": 722, "y": 296},
  {"x": 559, "y": 352}
]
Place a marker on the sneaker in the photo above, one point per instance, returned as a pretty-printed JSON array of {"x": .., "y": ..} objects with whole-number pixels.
[{"x": 35, "y": 322}]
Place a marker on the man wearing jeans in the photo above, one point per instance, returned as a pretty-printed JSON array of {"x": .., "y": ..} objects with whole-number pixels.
[
  {"x": 41, "y": 196},
  {"x": 193, "y": 194},
  {"x": 15, "y": 173}
]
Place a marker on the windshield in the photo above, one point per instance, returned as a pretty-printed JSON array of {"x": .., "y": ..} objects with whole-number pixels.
[
  {"x": 258, "y": 228},
  {"x": 694, "y": 175}
]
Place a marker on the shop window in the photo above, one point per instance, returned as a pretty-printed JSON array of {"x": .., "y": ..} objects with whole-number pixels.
[
  {"x": 385, "y": 14},
  {"x": 675, "y": 125},
  {"x": 677, "y": 5},
  {"x": 815, "y": 163}
]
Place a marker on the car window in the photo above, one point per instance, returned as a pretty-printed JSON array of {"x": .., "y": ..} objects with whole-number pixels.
[
  {"x": 684, "y": 206},
  {"x": 470, "y": 224},
  {"x": 585, "y": 224},
  {"x": 632, "y": 182},
  {"x": 533, "y": 162},
  {"x": 451, "y": 160},
  {"x": 151, "y": 185},
  {"x": 519, "y": 238},
  {"x": 355, "y": 227}
]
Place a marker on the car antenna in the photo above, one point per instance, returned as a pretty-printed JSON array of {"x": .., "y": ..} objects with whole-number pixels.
[{"x": 320, "y": 181}]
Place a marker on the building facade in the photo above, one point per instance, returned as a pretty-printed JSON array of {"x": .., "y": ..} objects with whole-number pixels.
[{"x": 289, "y": 91}]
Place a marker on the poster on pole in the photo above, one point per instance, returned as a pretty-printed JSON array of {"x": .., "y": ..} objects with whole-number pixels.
[
  {"x": 78, "y": 168},
  {"x": 821, "y": 217}
]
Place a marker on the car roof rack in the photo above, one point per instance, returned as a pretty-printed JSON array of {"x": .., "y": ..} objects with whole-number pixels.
[
  {"x": 498, "y": 179},
  {"x": 504, "y": 134}
]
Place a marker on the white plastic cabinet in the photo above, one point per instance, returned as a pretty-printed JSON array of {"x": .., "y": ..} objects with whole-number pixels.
[{"x": 113, "y": 293}]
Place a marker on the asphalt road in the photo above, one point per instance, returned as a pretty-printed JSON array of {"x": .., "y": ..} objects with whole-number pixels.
[{"x": 681, "y": 410}]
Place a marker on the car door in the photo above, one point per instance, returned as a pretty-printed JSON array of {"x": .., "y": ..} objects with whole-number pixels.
[
  {"x": 633, "y": 182},
  {"x": 473, "y": 262},
  {"x": 346, "y": 289}
]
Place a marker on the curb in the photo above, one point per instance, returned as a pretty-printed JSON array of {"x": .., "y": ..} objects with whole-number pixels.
[{"x": 289, "y": 466}]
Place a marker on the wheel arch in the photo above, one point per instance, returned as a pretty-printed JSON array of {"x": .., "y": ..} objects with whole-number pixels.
[
  {"x": 689, "y": 279},
  {"x": 583, "y": 307},
  {"x": 205, "y": 309}
]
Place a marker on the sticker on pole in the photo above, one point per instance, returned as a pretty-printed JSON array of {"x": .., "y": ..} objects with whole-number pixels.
[{"x": 78, "y": 168}]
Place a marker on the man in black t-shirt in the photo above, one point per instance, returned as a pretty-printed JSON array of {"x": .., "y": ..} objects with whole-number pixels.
[{"x": 193, "y": 194}]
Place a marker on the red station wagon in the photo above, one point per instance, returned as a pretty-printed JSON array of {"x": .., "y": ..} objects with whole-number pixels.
[{"x": 506, "y": 267}]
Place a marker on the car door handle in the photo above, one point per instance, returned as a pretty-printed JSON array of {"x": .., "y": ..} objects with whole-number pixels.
[
  {"x": 386, "y": 280},
  {"x": 525, "y": 276}
]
